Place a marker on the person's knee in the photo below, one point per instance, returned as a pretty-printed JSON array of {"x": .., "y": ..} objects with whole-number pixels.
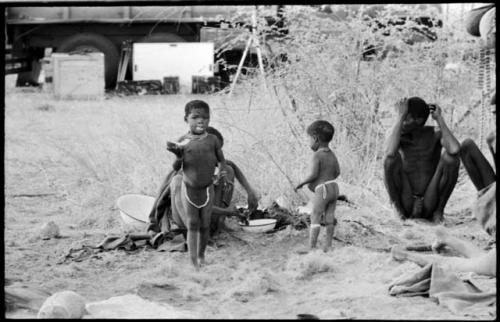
[
  {"x": 194, "y": 224},
  {"x": 449, "y": 160},
  {"x": 467, "y": 145},
  {"x": 316, "y": 217},
  {"x": 391, "y": 160},
  {"x": 491, "y": 138}
]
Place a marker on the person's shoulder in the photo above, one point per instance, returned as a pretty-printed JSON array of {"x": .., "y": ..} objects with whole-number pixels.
[
  {"x": 212, "y": 138},
  {"x": 332, "y": 154}
]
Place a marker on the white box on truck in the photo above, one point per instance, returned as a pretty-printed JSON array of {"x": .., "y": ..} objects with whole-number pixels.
[{"x": 154, "y": 61}]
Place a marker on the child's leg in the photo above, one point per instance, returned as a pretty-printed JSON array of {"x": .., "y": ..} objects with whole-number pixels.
[
  {"x": 319, "y": 204},
  {"x": 332, "y": 195},
  {"x": 330, "y": 226},
  {"x": 193, "y": 234},
  {"x": 205, "y": 214},
  {"x": 191, "y": 217}
]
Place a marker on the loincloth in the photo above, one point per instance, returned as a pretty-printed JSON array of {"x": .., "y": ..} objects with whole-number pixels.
[
  {"x": 192, "y": 195},
  {"x": 418, "y": 206},
  {"x": 325, "y": 190}
]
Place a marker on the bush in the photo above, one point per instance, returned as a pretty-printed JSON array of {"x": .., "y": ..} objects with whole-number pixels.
[{"x": 325, "y": 76}]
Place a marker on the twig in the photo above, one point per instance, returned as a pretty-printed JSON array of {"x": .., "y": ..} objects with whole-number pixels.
[
  {"x": 265, "y": 151},
  {"x": 241, "y": 239},
  {"x": 365, "y": 226},
  {"x": 32, "y": 195}
]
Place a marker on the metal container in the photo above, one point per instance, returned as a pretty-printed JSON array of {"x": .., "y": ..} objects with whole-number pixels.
[{"x": 78, "y": 76}]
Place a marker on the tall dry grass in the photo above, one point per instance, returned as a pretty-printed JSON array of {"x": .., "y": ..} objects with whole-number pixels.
[{"x": 103, "y": 149}]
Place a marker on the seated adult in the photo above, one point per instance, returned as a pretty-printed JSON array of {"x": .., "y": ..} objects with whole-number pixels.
[
  {"x": 421, "y": 162},
  {"x": 160, "y": 215}
]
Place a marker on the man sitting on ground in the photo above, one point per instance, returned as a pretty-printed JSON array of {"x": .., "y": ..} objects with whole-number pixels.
[{"x": 418, "y": 175}]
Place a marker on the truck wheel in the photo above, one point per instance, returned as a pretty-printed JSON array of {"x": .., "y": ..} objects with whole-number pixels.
[
  {"x": 90, "y": 42},
  {"x": 31, "y": 78}
]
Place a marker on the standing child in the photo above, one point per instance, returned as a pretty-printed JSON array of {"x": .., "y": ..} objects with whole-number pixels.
[
  {"x": 324, "y": 170},
  {"x": 198, "y": 152}
]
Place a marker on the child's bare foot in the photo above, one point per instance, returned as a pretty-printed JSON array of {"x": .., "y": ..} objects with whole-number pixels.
[
  {"x": 397, "y": 253},
  {"x": 440, "y": 243}
]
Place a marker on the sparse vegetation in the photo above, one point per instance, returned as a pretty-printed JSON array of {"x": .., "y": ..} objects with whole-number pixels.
[{"x": 68, "y": 161}]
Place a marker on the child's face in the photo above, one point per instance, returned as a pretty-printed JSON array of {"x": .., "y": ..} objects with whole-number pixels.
[
  {"x": 313, "y": 142},
  {"x": 198, "y": 120}
]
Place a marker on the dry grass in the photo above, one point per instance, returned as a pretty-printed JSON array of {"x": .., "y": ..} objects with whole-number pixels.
[{"x": 116, "y": 146}]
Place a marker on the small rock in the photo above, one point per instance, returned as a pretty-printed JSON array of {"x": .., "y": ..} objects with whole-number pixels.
[
  {"x": 63, "y": 305},
  {"x": 49, "y": 230}
]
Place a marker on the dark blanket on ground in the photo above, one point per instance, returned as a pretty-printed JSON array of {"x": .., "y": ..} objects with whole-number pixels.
[
  {"x": 460, "y": 296},
  {"x": 164, "y": 242}
]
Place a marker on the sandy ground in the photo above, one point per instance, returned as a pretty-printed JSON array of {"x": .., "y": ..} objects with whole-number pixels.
[{"x": 247, "y": 276}]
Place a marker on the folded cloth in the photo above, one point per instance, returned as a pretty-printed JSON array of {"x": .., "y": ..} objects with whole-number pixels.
[
  {"x": 462, "y": 297},
  {"x": 177, "y": 244}
]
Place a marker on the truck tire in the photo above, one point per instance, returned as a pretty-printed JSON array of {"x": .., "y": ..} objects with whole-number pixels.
[
  {"x": 91, "y": 42},
  {"x": 31, "y": 78},
  {"x": 25, "y": 79}
]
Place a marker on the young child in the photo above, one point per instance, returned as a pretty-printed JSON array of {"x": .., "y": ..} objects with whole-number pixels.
[
  {"x": 198, "y": 152},
  {"x": 324, "y": 170}
]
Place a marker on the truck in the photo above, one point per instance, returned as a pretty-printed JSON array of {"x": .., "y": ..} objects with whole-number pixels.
[{"x": 31, "y": 31}]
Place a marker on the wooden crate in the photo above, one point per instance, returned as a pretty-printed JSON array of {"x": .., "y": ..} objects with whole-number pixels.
[{"x": 78, "y": 76}]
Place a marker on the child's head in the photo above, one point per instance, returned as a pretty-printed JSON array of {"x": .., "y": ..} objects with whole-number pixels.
[
  {"x": 214, "y": 131},
  {"x": 320, "y": 132},
  {"x": 197, "y": 115}
]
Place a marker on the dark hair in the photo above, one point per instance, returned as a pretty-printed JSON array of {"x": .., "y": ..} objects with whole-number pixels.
[
  {"x": 214, "y": 131},
  {"x": 418, "y": 108},
  {"x": 196, "y": 104},
  {"x": 321, "y": 129}
]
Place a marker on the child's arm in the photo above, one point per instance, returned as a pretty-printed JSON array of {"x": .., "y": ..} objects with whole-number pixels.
[
  {"x": 220, "y": 158},
  {"x": 252, "y": 195},
  {"x": 178, "y": 151},
  {"x": 313, "y": 174}
]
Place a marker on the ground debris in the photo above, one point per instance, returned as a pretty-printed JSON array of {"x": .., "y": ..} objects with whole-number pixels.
[{"x": 283, "y": 216}]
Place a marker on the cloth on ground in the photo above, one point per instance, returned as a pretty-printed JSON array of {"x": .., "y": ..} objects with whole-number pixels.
[
  {"x": 460, "y": 295},
  {"x": 169, "y": 242}
]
